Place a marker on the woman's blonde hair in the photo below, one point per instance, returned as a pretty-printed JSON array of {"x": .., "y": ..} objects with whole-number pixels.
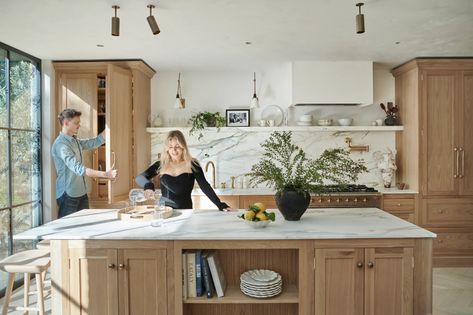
[{"x": 186, "y": 155}]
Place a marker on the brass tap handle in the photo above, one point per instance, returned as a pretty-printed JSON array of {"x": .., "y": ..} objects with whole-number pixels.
[{"x": 233, "y": 182}]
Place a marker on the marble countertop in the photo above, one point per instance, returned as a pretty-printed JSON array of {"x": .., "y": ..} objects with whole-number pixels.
[
  {"x": 323, "y": 223},
  {"x": 269, "y": 191}
]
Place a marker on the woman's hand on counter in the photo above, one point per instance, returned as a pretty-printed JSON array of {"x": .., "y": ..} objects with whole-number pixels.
[{"x": 230, "y": 209}]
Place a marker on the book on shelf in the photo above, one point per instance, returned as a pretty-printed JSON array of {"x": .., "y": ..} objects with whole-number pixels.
[
  {"x": 208, "y": 284},
  {"x": 184, "y": 276},
  {"x": 198, "y": 273},
  {"x": 191, "y": 280},
  {"x": 217, "y": 274}
]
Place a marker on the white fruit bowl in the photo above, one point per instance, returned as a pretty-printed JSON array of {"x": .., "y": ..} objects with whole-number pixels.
[
  {"x": 258, "y": 224},
  {"x": 345, "y": 121}
]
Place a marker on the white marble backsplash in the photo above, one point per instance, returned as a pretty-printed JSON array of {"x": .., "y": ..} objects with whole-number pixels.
[{"x": 235, "y": 150}]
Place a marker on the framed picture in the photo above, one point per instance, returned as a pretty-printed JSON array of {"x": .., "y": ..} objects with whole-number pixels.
[{"x": 238, "y": 117}]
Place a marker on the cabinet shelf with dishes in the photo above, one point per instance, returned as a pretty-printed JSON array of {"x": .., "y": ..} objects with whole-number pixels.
[{"x": 284, "y": 128}]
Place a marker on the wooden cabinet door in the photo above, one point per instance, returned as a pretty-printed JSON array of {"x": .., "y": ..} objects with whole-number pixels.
[
  {"x": 93, "y": 281},
  {"x": 339, "y": 281},
  {"x": 142, "y": 281},
  {"x": 439, "y": 132},
  {"x": 466, "y": 147},
  {"x": 79, "y": 91},
  {"x": 389, "y": 281},
  {"x": 118, "y": 131}
]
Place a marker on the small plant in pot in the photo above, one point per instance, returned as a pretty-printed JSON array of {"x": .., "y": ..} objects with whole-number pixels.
[
  {"x": 205, "y": 119},
  {"x": 286, "y": 168}
]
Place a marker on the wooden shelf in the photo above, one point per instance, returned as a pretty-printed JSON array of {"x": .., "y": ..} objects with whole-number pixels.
[
  {"x": 233, "y": 295},
  {"x": 284, "y": 128}
]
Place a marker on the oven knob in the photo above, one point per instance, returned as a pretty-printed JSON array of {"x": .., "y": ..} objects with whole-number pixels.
[
  {"x": 320, "y": 200},
  {"x": 338, "y": 200},
  {"x": 355, "y": 200},
  {"x": 364, "y": 199},
  {"x": 346, "y": 200},
  {"x": 329, "y": 200}
]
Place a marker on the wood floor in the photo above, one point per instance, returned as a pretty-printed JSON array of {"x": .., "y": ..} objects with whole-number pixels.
[{"x": 452, "y": 293}]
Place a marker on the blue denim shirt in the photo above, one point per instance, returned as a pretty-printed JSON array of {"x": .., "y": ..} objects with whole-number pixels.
[{"x": 67, "y": 157}]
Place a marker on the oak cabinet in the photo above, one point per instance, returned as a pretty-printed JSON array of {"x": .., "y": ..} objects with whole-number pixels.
[
  {"x": 114, "y": 98},
  {"x": 402, "y": 206},
  {"x": 118, "y": 281},
  {"x": 364, "y": 281}
]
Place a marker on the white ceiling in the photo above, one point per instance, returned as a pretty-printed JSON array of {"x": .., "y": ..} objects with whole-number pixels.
[{"x": 211, "y": 34}]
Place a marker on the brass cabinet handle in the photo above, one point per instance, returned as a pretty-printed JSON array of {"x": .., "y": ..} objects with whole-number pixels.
[
  {"x": 114, "y": 160},
  {"x": 462, "y": 172},
  {"x": 111, "y": 266},
  {"x": 457, "y": 157},
  {"x": 359, "y": 264},
  {"x": 398, "y": 204},
  {"x": 370, "y": 264},
  {"x": 121, "y": 266}
]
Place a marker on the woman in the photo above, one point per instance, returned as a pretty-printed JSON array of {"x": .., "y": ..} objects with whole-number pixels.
[{"x": 177, "y": 170}]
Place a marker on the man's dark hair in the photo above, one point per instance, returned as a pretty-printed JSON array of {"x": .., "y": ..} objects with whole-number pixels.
[{"x": 68, "y": 113}]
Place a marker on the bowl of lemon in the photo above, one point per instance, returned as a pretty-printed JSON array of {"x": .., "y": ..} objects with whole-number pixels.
[{"x": 257, "y": 217}]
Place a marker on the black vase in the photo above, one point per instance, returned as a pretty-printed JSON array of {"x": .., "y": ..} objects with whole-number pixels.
[
  {"x": 292, "y": 204},
  {"x": 390, "y": 120}
]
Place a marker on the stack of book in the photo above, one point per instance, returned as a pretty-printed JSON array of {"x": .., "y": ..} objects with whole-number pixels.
[{"x": 202, "y": 274}]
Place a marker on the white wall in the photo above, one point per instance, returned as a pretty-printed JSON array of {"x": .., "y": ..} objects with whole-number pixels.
[
  {"x": 217, "y": 91},
  {"x": 49, "y": 121}
]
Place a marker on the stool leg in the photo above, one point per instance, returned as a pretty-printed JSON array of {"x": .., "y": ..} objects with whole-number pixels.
[
  {"x": 11, "y": 279},
  {"x": 39, "y": 285},
  {"x": 26, "y": 292}
]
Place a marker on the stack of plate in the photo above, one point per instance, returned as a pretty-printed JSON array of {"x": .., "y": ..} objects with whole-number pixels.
[
  {"x": 305, "y": 120},
  {"x": 261, "y": 283}
]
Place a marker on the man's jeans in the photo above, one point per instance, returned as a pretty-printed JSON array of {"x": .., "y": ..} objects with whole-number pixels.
[{"x": 68, "y": 205}]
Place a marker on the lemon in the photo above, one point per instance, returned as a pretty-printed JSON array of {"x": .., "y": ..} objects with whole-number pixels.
[
  {"x": 249, "y": 215},
  {"x": 260, "y": 206},
  {"x": 262, "y": 216}
]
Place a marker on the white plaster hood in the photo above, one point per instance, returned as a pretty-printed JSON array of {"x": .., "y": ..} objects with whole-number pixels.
[{"x": 332, "y": 82}]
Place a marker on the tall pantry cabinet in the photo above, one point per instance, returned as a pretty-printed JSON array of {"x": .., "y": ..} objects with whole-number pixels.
[
  {"x": 436, "y": 150},
  {"x": 114, "y": 98}
]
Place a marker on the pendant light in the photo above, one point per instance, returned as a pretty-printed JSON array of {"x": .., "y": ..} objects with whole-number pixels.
[
  {"x": 360, "y": 19},
  {"x": 152, "y": 21},
  {"x": 180, "y": 102},
  {"x": 254, "y": 101},
  {"x": 115, "y": 22}
]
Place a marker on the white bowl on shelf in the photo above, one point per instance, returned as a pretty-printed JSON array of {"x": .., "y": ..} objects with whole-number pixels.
[
  {"x": 306, "y": 118},
  {"x": 345, "y": 121}
]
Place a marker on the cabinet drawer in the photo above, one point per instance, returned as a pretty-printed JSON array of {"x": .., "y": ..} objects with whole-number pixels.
[
  {"x": 461, "y": 243},
  {"x": 408, "y": 216},
  {"x": 449, "y": 212},
  {"x": 400, "y": 204}
]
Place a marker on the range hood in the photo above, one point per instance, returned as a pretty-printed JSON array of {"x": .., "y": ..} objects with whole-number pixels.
[{"x": 321, "y": 83}]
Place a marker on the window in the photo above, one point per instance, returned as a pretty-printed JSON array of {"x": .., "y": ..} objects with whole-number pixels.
[{"x": 20, "y": 150}]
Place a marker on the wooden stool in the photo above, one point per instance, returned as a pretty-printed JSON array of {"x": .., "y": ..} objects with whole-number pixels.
[{"x": 35, "y": 261}]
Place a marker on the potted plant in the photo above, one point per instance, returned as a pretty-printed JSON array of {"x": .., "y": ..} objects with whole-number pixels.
[
  {"x": 286, "y": 168},
  {"x": 391, "y": 113},
  {"x": 205, "y": 119}
]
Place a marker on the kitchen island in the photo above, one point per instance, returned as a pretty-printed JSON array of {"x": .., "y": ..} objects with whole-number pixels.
[{"x": 333, "y": 261}]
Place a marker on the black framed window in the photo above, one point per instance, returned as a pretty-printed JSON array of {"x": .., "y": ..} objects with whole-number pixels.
[{"x": 20, "y": 150}]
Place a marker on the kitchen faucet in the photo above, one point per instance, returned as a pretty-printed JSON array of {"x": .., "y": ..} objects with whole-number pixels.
[{"x": 213, "y": 171}]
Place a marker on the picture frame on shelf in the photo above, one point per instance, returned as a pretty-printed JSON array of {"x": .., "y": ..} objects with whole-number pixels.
[{"x": 238, "y": 117}]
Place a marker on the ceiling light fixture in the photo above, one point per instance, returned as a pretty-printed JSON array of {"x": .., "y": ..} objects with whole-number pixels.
[
  {"x": 115, "y": 22},
  {"x": 180, "y": 101},
  {"x": 254, "y": 101},
  {"x": 360, "y": 19},
  {"x": 152, "y": 21}
]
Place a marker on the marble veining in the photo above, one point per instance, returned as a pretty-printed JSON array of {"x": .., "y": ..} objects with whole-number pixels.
[{"x": 322, "y": 223}]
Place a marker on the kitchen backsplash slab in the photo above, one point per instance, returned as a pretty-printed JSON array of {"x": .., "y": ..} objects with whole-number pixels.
[{"x": 234, "y": 151}]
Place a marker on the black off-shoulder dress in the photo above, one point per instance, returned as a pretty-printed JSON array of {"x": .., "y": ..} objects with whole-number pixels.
[{"x": 176, "y": 190}]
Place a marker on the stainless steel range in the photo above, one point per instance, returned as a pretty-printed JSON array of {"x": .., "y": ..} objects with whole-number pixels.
[{"x": 346, "y": 196}]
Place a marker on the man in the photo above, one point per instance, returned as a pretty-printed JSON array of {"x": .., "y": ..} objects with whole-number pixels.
[{"x": 71, "y": 188}]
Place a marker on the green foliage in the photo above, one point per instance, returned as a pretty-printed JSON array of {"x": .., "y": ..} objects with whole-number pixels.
[
  {"x": 285, "y": 165},
  {"x": 205, "y": 119}
]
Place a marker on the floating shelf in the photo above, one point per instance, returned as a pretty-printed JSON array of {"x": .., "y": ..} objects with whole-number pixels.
[{"x": 284, "y": 128}]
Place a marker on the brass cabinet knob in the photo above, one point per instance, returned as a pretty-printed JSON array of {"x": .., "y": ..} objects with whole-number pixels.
[
  {"x": 121, "y": 266},
  {"x": 370, "y": 264},
  {"x": 359, "y": 264},
  {"x": 398, "y": 204},
  {"x": 111, "y": 266},
  {"x": 440, "y": 211}
]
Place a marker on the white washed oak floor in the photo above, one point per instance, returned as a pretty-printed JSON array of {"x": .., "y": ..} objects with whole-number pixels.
[{"x": 452, "y": 293}]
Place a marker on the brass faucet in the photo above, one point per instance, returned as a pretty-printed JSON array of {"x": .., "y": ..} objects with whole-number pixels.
[
  {"x": 213, "y": 171},
  {"x": 233, "y": 182}
]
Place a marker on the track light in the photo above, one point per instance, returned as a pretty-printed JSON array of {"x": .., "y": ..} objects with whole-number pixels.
[
  {"x": 254, "y": 101},
  {"x": 360, "y": 20},
  {"x": 152, "y": 21},
  {"x": 115, "y": 22}
]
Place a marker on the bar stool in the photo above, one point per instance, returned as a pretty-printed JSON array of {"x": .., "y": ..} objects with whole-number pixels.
[{"x": 35, "y": 261}]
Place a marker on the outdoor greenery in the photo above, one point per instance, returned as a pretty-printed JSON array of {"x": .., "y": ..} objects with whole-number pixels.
[
  {"x": 205, "y": 119},
  {"x": 285, "y": 165}
]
